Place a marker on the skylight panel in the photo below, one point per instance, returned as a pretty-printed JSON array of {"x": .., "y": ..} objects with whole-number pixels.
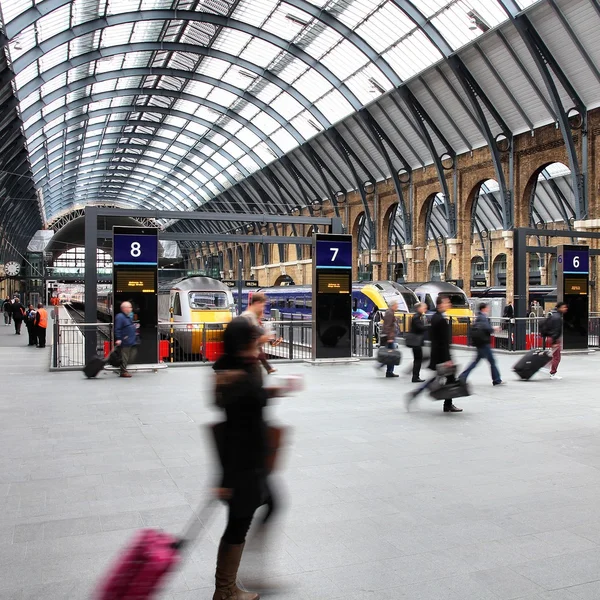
[
  {"x": 233, "y": 149},
  {"x": 287, "y": 106},
  {"x": 306, "y": 125},
  {"x": 104, "y": 86},
  {"x": 385, "y": 27},
  {"x": 344, "y": 59},
  {"x": 430, "y": 7},
  {"x": 265, "y": 123},
  {"x": 231, "y": 41},
  {"x": 116, "y": 34},
  {"x": 247, "y": 137},
  {"x": 53, "y": 85},
  {"x": 13, "y": 8},
  {"x": 199, "y": 88},
  {"x": 207, "y": 113},
  {"x": 175, "y": 121},
  {"x": 115, "y": 7},
  {"x": 334, "y": 106},
  {"x": 53, "y": 58},
  {"x": 186, "y": 106},
  {"x": 145, "y": 31},
  {"x": 254, "y": 12},
  {"x": 312, "y": 85},
  {"x": 412, "y": 55},
  {"x": 293, "y": 70},
  {"x": 286, "y": 22},
  {"x": 196, "y": 128},
  {"x": 284, "y": 140},
  {"x": 268, "y": 92},
  {"x": 31, "y": 99},
  {"x": 221, "y": 160},
  {"x": 265, "y": 153},
  {"x": 323, "y": 43},
  {"x": 213, "y": 67},
  {"x": 22, "y": 42},
  {"x": 26, "y": 75},
  {"x": 212, "y": 188},
  {"x": 369, "y": 84},
  {"x": 222, "y": 97},
  {"x": 249, "y": 111},
  {"x": 210, "y": 169},
  {"x": 232, "y": 126},
  {"x": 260, "y": 52}
]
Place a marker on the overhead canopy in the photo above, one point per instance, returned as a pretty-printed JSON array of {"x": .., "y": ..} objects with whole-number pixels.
[{"x": 258, "y": 105}]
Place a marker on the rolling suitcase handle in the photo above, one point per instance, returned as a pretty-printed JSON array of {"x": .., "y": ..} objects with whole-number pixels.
[{"x": 196, "y": 524}]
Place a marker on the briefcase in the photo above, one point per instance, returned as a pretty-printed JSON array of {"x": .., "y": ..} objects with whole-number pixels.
[{"x": 389, "y": 356}]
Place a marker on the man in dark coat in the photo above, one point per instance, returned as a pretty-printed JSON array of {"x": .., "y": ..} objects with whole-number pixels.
[
  {"x": 18, "y": 314},
  {"x": 440, "y": 334},
  {"x": 389, "y": 334}
]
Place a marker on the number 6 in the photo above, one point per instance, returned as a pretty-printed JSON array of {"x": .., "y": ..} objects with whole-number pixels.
[{"x": 576, "y": 262}]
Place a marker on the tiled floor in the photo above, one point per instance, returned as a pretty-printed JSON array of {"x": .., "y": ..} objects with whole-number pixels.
[{"x": 497, "y": 503}]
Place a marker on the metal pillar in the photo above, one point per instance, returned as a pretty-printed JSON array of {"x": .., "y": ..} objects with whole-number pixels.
[
  {"x": 91, "y": 279},
  {"x": 520, "y": 274}
]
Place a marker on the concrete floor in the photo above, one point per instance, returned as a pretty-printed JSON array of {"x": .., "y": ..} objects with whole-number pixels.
[{"x": 497, "y": 503}]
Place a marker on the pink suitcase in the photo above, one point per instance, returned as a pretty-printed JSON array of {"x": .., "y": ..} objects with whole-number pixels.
[{"x": 140, "y": 571}]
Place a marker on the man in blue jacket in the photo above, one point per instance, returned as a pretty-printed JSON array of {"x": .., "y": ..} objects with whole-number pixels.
[
  {"x": 126, "y": 336},
  {"x": 481, "y": 335}
]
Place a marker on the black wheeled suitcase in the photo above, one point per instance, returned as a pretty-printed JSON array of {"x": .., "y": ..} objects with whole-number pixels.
[
  {"x": 93, "y": 367},
  {"x": 531, "y": 363}
]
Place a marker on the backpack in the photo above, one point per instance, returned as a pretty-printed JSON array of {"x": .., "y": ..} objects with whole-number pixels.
[
  {"x": 479, "y": 337},
  {"x": 545, "y": 327}
]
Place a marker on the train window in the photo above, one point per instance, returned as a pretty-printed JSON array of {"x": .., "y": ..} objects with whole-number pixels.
[
  {"x": 207, "y": 300},
  {"x": 309, "y": 304},
  {"x": 281, "y": 303},
  {"x": 291, "y": 303},
  {"x": 429, "y": 301},
  {"x": 410, "y": 299},
  {"x": 354, "y": 304},
  {"x": 458, "y": 301},
  {"x": 177, "y": 305},
  {"x": 299, "y": 303}
]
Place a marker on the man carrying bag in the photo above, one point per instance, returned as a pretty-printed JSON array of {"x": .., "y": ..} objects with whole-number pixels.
[{"x": 388, "y": 354}]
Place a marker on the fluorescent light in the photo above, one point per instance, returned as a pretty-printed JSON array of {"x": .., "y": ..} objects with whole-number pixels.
[{"x": 296, "y": 20}]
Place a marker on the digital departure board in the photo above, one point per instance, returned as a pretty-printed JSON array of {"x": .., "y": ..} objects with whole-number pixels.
[
  {"x": 333, "y": 283},
  {"x": 133, "y": 280},
  {"x": 576, "y": 286}
]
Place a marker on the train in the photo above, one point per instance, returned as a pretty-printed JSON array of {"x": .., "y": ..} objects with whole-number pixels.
[
  {"x": 429, "y": 292},
  {"x": 369, "y": 300}
]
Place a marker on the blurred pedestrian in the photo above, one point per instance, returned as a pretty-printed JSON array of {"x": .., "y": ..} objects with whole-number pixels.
[
  {"x": 243, "y": 445},
  {"x": 126, "y": 337},
  {"x": 254, "y": 314},
  {"x": 30, "y": 324},
  {"x": 481, "y": 335},
  {"x": 388, "y": 335},
  {"x": 41, "y": 324},
  {"x": 18, "y": 314},
  {"x": 553, "y": 330},
  {"x": 7, "y": 309},
  {"x": 440, "y": 334},
  {"x": 416, "y": 339}
]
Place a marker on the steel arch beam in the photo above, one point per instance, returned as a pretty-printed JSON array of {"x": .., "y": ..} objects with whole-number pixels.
[
  {"x": 55, "y": 156},
  {"x": 545, "y": 62},
  {"x": 56, "y": 145},
  {"x": 142, "y": 109},
  {"x": 186, "y": 15},
  {"x": 116, "y": 50},
  {"x": 379, "y": 137},
  {"x": 143, "y": 72},
  {"x": 133, "y": 92}
]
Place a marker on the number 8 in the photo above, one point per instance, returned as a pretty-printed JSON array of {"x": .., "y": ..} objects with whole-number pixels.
[{"x": 136, "y": 250}]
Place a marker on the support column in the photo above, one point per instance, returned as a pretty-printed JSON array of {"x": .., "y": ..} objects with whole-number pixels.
[
  {"x": 511, "y": 269},
  {"x": 91, "y": 280},
  {"x": 519, "y": 280}
]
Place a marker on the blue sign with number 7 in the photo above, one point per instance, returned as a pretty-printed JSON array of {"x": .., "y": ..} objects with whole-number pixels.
[{"x": 335, "y": 252}]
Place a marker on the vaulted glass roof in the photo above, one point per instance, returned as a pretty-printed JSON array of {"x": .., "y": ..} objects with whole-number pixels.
[{"x": 168, "y": 103}]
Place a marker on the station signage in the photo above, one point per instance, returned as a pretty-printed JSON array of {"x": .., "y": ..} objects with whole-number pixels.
[
  {"x": 333, "y": 251},
  {"x": 131, "y": 247}
]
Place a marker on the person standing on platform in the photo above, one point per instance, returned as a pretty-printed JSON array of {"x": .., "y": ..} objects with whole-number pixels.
[
  {"x": 41, "y": 324},
  {"x": 254, "y": 315},
  {"x": 7, "y": 308},
  {"x": 418, "y": 327},
  {"x": 30, "y": 324},
  {"x": 126, "y": 337},
  {"x": 18, "y": 314},
  {"x": 440, "y": 334},
  {"x": 481, "y": 334},
  {"x": 388, "y": 335},
  {"x": 554, "y": 331},
  {"x": 509, "y": 311}
]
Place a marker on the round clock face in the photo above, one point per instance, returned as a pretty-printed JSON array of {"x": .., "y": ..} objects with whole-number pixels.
[{"x": 12, "y": 268}]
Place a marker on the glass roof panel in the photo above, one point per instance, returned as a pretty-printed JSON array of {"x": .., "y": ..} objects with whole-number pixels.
[{"x": 381, "y": 25}]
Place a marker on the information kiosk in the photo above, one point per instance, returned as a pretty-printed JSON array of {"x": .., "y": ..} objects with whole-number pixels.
[
  {"x": 573, "y": 269},
  {"x": 332, "y": 296},
  {"x": 135, "y": 279}
]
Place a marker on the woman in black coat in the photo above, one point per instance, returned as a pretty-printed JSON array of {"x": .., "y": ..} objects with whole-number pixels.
[
  {"x": 242, "y": 446},
  {"x": 418, "y": 327}
]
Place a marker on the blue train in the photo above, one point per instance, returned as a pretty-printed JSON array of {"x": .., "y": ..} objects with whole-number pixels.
[{"x": 369, "y": 300}]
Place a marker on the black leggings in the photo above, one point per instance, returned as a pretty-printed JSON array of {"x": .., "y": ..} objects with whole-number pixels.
[
  {"x": 417, "y": 360},
  {"x": 237, "y": 529}
]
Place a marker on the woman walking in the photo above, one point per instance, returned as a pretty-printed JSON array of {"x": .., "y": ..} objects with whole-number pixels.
[
  {"x": 242, "y": 442},
  {"x": 418, "y": 327}
]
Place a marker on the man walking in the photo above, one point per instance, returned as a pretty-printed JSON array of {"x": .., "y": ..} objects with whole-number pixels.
[
  {"x": 7, "y": 308},
  {"x": 41, "y": 324},
  {"x": 126, "y": 337},
  {"x": 440, "y": 334},
  {"x": 553, "y": 329},
  {"x": 30, "y": 324},
  {"x": 254, "y": 315},
  {"x": 481, "y": 334},
  {"x": 18, "y": 314},
  {"x": 388, "y": 336}
]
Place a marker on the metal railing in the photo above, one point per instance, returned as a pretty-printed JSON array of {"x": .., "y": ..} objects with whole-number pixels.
[{"x": 68, "y": 342}]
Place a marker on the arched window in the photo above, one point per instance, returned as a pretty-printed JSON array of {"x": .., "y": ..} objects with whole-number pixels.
[
  {"x": 499, "y": 270},
  {"x": 434, "y": 270}
]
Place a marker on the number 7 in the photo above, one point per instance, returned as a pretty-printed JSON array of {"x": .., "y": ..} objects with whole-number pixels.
[{"x": 335, "y": 253}]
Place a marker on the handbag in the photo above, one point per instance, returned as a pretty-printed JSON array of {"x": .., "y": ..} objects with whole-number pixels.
[
  {"x": 413, "y": 340},
  {"x": 440, "y": 390},
  {"x": 389, "y": 356}
]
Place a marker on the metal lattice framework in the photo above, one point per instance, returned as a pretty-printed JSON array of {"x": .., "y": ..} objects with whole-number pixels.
[{"x": 272, "y": 106}]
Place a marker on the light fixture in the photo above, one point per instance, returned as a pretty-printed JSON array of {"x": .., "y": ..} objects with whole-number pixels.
[
  {"x": 313, "y": 125},
  {"x": 297, "y": 20},
  {"x": 378, "y": 87},
  {"x": 248, "y": 75},
  {"x": 476, "y": 22}
]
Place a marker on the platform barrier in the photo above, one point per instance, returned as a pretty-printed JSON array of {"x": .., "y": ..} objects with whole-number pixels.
[{"x": 68, "y": 342}]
